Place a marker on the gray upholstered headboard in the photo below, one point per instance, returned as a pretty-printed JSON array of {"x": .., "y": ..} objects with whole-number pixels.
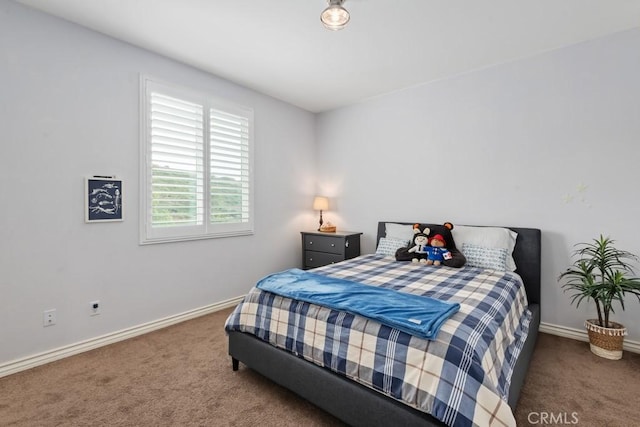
[{"x": 526, "y": 255}]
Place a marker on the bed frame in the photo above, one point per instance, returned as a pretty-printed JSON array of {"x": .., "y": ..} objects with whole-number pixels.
[{"x": 358, "y": 405}]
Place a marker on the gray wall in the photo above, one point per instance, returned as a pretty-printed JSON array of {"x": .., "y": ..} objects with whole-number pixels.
[
  {"x": 68, "y": 109},
  {"x": 551, "y": 141}
]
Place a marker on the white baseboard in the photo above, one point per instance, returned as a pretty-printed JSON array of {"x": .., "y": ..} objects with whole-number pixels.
[
  {"x": 29, "y": 362},
  {"x": 581, "y": 335}
]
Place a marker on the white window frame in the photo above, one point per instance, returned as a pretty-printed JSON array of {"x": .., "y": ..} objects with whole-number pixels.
[{"x": 207, "y": 230}]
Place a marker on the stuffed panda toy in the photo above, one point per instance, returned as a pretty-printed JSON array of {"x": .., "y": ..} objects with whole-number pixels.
[{"x": 420, "y": 248}]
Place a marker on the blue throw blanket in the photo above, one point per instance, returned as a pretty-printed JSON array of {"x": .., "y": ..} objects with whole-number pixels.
[{"x": 414, "y": 314}]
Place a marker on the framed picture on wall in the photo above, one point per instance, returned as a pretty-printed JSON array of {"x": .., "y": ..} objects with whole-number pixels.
[{"x": 103, "y": 199}]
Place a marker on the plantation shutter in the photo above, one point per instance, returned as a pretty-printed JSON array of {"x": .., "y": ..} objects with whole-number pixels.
[
  {"x": 177, "y": 154},
  {"x": 229, "y": 168},
  {"x": 196, "y": 165}
]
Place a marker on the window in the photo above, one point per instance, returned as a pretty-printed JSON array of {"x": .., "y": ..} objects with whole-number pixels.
[{"x": 196, "y": 166}]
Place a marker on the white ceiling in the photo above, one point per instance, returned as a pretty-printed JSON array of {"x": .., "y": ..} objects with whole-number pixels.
[{"x": 280, "y": 48}]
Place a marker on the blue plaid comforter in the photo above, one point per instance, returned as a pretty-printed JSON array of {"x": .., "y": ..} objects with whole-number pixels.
[{"x": 461, "y": 378}]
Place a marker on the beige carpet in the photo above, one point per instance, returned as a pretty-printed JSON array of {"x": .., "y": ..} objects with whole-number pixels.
[{"x": 182, "y": 376}]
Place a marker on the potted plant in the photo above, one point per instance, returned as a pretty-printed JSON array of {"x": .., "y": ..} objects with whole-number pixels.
[{"x": 601, "y": 273}]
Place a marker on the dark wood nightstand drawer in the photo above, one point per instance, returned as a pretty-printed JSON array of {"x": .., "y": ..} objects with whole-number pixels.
[
  {"x": 318, "y": 259},
  {"x": 329, "y": 244},
  {"x": 320, "y": 249}
]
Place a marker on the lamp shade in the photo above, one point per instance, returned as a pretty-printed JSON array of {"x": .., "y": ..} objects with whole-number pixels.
[{"x": 320, "y": 203}]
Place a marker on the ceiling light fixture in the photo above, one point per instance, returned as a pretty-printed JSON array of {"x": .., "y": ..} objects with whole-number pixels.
[{"x": 335, "y": 17}]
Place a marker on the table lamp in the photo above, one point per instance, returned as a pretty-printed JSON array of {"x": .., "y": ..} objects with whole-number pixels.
[{"x": 320, "y": 204}]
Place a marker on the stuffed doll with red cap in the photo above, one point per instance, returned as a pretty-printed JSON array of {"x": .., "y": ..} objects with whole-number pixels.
[{"x": 437, "y": 251}]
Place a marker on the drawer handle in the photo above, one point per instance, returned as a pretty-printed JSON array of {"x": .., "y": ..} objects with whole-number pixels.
[
  {"x": 310, "y": 242},
  {"x": 310, "y": 259},
  {"x": 333, "y": 245},
  {"x": 346, "y": 244}
]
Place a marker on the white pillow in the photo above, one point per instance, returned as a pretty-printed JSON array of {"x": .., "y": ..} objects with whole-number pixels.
[
  {"x": 399, "y": 231},
  {"x": 487, "y": 237},
  {"x": 388, "y": 246},
  {"x": 482, "y": 257}
]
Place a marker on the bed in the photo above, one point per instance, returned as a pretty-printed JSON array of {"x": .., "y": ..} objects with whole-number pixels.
[{"x": 363, "y": 404}]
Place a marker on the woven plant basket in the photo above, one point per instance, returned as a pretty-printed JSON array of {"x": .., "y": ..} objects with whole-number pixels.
[{"x": 606, "y": 342}]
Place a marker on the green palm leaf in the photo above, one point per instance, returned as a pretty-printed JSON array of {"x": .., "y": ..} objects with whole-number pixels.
[{"x": 600, "y": 273}]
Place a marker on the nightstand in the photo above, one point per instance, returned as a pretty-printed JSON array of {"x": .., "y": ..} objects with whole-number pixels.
[{"x": 320, "y": 249}]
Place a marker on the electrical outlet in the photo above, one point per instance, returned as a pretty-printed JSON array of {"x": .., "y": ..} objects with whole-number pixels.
[
  {"x": 49, "y": 317},
  {"x": 94, "y": 308}
]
